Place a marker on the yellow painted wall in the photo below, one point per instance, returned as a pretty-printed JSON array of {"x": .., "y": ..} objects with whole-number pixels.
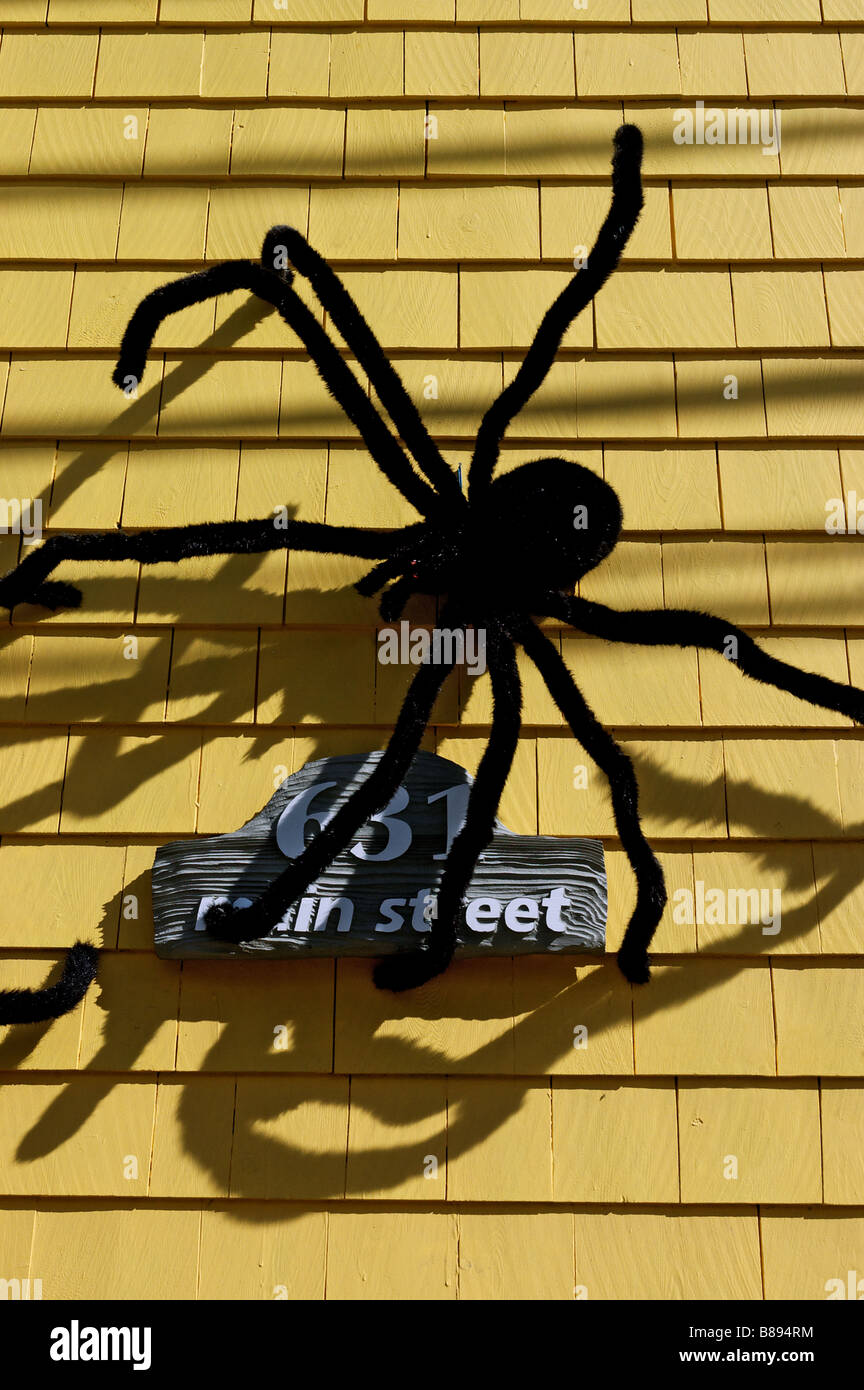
[{"x": 155, "y": 1143}]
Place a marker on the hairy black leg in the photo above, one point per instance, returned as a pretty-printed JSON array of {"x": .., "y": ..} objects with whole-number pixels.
[
  {"x": 423, "y": 559},
  {"x": 409, "y": 969},
  {"x": 378, "y": 576},
  {"x": 337, "y": 376},
  {"x": 681, "y": 627},
  {"x": 27, "y": 582},
  {"x": 169, "y": 299},
  {"x": 228, "y": 923},
  {"x": 410, "y": 544},
  {"x": 349, "y": 321},
  {"x": 39, "y": 1005},
  {"x": 605, "y": 254},
  {"x": 394, "y": 599},
  {"x": 618, "y": 769}
]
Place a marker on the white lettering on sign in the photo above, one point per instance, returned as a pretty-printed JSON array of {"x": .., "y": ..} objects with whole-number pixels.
[
  {"x": 345, "y": 908},
  {"x": 521, "y": 914},
  {"x": 483, "y": 915},
  {"x": 291, "y": 825},
  {"x": 316, "y": 912},
  {"x": 207, "y": 903},
  {"x": 398, "y": 831},
  {"x": 555, "y": 904},
  {"x": 393, "y": 920},
  {"x": 457, "y": 809}
]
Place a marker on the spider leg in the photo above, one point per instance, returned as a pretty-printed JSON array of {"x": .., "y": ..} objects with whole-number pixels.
[
  {"x": 605, "y": 254},
  {"x": 412, "y": 968},
  {"x": 29, "y": 583},
  {"x": 379, "y": 575},
  {"x": 394, "y": 567},
  {"x": 356, "y": 332},
  {"x": 276, "y": 289},
  {"x": 681, "y": 627},
  {"x": 169, "y": 299},
  {"x": 614, "y": 762},
  {"x": 228, "y": 923},
  {"x": 39, "y": 1005}
]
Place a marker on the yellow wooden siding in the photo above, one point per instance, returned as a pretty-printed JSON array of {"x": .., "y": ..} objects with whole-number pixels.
[{"x": 532, "y": 1128}]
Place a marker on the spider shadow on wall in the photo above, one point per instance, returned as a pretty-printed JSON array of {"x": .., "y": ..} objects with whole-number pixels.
[{"x": 556, "y": 994}]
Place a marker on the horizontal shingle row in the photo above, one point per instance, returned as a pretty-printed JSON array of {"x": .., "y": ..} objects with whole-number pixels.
[
  {"x": 764, "y": 488},
  {"x": 461, "y": 307},
  {"x": 764, "y": 13},
  {"x": 146, "y": 782},
  {"x": 393, "y": 1251},
  {"x": 379, "y": 142},
  {"x": 146, "y": 675},
  {"x": 351, "y": 223},
  {"x": 360, "y": 64},
  {"x": 461, "y": 1140},
  {"x": 791, "y": 583},
  {"x": 592, "y": 398}
]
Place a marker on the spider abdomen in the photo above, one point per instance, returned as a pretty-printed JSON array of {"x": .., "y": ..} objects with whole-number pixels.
[{"x": 545, "y": 524}]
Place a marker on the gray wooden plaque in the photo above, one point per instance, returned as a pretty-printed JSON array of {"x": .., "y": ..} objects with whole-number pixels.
[{"x": 530, "y": 894}]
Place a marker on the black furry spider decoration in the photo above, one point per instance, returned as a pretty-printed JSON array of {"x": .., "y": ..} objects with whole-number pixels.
[{"x": 506, "y": 551}]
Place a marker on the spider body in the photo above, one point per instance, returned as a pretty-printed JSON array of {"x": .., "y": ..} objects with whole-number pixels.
[
  {"x": 538, "y": 528},
  {"x": 545, "y": 525},
  {"x": 511, "y": 549}
]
